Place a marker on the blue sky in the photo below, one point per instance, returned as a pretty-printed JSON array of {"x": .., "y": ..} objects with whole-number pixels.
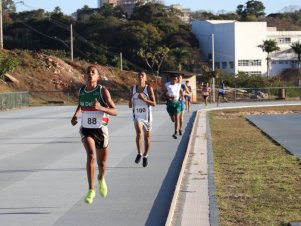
[{"x": 70, "y": 6}]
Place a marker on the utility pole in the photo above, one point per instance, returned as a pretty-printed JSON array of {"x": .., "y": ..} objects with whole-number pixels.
[
  {"x": 1, "y": 26},
  {"x": 71, "y": 42},
  {"x": 213, "y": 68},
  {"x": 121, "y": 68}
]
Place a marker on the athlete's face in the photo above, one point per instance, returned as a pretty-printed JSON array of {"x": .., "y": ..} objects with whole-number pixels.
[
  {"x": 174, "y": 80},
  {"x": 180, "y": 78},
  {"x": 141, "y": 77},
  {"x": 92, "y": 75}
]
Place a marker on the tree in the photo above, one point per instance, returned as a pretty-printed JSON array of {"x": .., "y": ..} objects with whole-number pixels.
[
  {"x": 9, "y": 6},
  {"x": 148, "y": 12},
  {"x": 296, "y": 46},
  {"x": 138, "y": 35},
  {"x": 85, "y": 7},
  {"x": 154, "y": 57},
  {"x": 181, "y": 55},
  {"x": 252, "y": 8},
  {"x": 110, "y": 10},
  {"x": 269, "y": 46},
  {"x": 256, "y": 8},
  {"x": 57, "y": 10}
]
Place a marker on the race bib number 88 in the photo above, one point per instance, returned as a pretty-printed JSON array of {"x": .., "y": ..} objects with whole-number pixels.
[{"x": 91, "y": 119}]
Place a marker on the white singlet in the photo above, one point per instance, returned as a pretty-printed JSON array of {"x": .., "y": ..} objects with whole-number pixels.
[
  {"x": 142, "y": 112},
  {"x": 173, "y": 90}
]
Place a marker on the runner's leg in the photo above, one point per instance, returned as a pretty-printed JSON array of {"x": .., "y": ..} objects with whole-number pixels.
[{"x": 89, "y": 145}]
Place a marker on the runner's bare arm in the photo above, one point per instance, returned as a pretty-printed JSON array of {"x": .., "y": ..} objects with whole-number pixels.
[
  {"x": 110, "y": 108},
  {"x": 130, "y": 101},
  {"x": 74, "y": 118},
  {"x": 151, "y": 101}
]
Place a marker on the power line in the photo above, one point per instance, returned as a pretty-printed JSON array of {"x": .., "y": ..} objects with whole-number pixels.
[
  {"x": 78, "y": 36},
  {"x": 53, "y": 38}
]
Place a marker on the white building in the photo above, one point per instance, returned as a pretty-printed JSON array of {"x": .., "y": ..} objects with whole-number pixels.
[
  {"x": 235, "y": 46},
  {"x": 185, "y": 17},
  {"x": 102, "y": 2},
  {"x": 127, "y": 5}
]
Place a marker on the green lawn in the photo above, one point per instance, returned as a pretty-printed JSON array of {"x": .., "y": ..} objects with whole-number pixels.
[{"x": 257, "y": 181}]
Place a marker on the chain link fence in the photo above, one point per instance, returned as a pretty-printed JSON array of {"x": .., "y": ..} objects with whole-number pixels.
[
  {"x": 255, "y": 94},
  {"x": 13, "y": 100}
]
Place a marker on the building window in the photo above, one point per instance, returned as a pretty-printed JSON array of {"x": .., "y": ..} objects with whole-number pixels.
[
  {"x": 217, "y": 65},
  {"x": 224, "y": 65},
  {"x": 242, "y": 63},
  {"x": 284, "y": 40},
  {"x": 249, "y": 62},
  {"x": 253, "y": 73},
  {"x": 231, "y": 63}
]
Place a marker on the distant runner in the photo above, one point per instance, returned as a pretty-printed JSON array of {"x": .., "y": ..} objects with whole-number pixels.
[
  {"x": 221, "y": 92},
  {"x": 182, "y": 103},
  {"x": 206, "y": 92},
  {"x": 95, "y": 104},
  {"x": 172, "y": 93},
  {"x": 187, "y": 96},
  {"x": 142, "y": 99}
]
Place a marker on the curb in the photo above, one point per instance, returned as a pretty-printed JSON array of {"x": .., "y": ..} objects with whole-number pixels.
[{"x": 179, "y": 181}]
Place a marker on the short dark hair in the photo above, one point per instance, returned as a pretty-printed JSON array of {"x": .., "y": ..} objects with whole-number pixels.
[{"x": 90, "y": 67}]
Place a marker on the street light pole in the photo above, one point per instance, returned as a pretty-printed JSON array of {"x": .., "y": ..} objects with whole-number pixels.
[
  {"x": 71, "y": 42},
  {"x": 1, "y": 26},
  {"x": 213, "y": 68},
  {"x": 121, "y": 64}
]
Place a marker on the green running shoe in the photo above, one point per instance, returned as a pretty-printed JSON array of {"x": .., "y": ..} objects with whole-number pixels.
[
  {"x": 103, "y": 189},
  {"x": 90, "y": 196}
]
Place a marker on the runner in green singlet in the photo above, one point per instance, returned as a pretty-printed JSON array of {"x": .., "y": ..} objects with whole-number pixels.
[{"x": 95, "y": 106}]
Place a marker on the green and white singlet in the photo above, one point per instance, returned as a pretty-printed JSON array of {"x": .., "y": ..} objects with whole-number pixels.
[{"x": 92, "y": 118}]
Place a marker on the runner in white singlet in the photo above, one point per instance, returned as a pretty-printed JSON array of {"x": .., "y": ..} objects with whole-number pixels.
[
  {"x": 142, "y": 99},
  {"x": 172, "y": 93}
]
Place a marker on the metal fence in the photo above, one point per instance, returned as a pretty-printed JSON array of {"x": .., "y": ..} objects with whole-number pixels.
[
  {"x": 24, "y": 99},
  {"x": 13, "y": 100},
  {"x": 50, "y": 97},
  {"x": 256, "y": 94}
]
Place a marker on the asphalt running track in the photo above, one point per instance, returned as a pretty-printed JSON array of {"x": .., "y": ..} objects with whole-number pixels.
[
  {"x": 42, "y": 174},
  {"x": 284, "y": 129},
  {"x": 43, "y": 177}
]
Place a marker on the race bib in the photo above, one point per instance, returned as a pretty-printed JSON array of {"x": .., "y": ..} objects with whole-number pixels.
[
  {"x": 141, "y": 112},
  {"x": 92, "y": 119}
]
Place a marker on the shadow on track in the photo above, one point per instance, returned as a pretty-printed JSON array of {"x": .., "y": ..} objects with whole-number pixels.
[{"x": 161, "y": 206}]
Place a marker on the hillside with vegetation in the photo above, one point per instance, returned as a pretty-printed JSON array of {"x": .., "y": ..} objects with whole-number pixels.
[
  {"x": 37, "y": 47},
  {"x": 152, "y": 33}
]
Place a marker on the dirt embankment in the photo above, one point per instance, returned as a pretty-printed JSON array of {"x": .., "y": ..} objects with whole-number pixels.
[{"x": 49, "y": 78}]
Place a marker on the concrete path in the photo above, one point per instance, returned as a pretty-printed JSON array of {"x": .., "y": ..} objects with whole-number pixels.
[{"x": 194, "y": 201}]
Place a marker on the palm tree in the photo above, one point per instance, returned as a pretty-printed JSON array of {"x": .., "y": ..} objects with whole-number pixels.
[
  {"x": 269, "y": 46},
  {"x": 296, "y": 46}
]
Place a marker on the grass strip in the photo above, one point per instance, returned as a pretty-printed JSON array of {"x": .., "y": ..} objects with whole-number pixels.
[{"x": 257, "y": 181}]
